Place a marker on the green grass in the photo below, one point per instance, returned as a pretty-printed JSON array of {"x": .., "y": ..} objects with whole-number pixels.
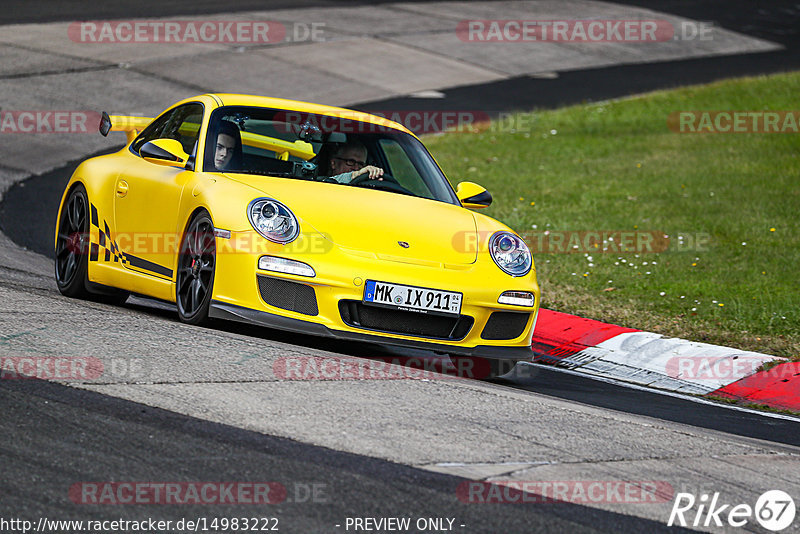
[
  {"x": 751, "y": 405},
  {"x": 616, "y": 166}
]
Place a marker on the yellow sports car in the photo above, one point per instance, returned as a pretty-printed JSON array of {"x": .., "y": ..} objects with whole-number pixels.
[{"x": 300, "y": 217}]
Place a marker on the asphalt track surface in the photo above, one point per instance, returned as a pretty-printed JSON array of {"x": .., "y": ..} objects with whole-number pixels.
[
  {"x": 19, "y": 218},
  {"x": 774, "y": 20},
  {"x": 777, "y": 21},
  {"x": 102, "y": 438},
  {"x": 54, "y": 435}
]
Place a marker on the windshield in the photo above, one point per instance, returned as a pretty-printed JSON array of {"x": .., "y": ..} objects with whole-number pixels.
[{"x": 332, "y": 149}]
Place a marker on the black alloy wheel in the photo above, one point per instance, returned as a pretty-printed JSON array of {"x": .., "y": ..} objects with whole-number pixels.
[
  {"x": 72, "y": 245},
  {"x": 196, "y": 266}
]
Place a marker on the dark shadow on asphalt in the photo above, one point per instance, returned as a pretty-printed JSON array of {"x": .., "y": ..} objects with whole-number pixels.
[{"x": 55, "y": 437}]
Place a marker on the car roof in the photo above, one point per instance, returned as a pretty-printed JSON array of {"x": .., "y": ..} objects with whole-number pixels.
[{"x": 231, "y": 99}]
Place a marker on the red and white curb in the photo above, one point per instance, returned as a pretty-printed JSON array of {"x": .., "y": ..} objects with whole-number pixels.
[{"x": 671, "y": 364}]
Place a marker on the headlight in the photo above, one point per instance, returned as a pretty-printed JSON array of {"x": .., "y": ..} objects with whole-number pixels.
[
  {"x": 510, "y": 253},
  {"x": 273, "y": 220}
]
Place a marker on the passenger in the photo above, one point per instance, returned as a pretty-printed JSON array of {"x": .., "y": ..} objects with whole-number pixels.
[
  {"x": 228, "y": 147},
  {"x": 349, "y": 161}
]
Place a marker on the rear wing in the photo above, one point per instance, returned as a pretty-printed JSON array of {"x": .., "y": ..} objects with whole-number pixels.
[
  {"x": 132, "y": 126},
  {"x": 283, "y": 149}
]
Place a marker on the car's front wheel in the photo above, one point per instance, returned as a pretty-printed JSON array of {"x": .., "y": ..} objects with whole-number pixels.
[
  {"x": 72, "y": 245},
  {"x": 196, "y": 267}
]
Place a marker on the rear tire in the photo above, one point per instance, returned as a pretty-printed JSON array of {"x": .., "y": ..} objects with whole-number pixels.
[
  {"x": 196, "y": 267},
  {"x": 72, "y": 245}
]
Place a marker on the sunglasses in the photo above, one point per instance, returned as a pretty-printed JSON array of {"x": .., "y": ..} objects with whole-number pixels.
[{"x": 351, "y": 162}]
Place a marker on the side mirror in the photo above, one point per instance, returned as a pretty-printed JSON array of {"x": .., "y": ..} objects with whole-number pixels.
[
  {"x": 473, "y": 195},
  {"x": 105, "y": 124},
  {"x": 164, "y": 152}
]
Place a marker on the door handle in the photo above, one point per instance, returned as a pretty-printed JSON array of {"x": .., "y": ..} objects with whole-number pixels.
[{"x": 122, "y": 188}]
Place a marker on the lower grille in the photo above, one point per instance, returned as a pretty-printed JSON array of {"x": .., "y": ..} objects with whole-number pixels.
[
  {"x": 505, "y": 325},
  {"x": 288, "y": 295},
  {"x": 357, "y": 314}
]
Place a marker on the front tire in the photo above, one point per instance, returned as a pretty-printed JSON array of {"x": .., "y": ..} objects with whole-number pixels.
[
  {"x": 72, "y": 245},
  {"x": 196, "y": 267}
]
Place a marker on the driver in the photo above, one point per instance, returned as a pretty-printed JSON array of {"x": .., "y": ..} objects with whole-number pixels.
[{"x": 349, "y": 161}]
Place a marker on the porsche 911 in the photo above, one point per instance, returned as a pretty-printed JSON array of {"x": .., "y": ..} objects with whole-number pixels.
[{"x": 300, "y": 217}]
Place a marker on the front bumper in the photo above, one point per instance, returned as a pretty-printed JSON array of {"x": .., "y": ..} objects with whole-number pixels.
[
  {"x": 231, "y": 312},
  {"x": 329, "y": 304}
]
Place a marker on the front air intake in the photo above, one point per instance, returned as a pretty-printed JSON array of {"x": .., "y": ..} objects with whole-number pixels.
[
  {"x": 357, "y": 314},
  {"x": 288, "y": 295},
  {"x": 505, "y": 325}
]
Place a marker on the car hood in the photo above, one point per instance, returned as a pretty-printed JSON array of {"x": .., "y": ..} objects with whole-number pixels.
[{"x": 368, "y": 221}]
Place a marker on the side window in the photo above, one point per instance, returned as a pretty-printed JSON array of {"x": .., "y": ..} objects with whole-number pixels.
[{"x": 181, "y": 124}]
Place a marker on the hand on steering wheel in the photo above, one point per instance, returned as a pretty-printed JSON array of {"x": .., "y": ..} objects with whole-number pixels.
[{"x": 370, "y": 172}]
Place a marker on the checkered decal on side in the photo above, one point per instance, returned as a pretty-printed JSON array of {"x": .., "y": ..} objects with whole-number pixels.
[{"x": 103, "y": 245}]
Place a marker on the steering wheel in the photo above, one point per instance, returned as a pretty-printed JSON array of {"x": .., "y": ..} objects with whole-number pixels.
[
  {"x": 389, "y": 185},
  {"x": 361, "y": 178}
]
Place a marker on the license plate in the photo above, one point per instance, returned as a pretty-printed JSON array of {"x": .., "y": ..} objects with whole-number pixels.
[{"x": 411, "y": 298}]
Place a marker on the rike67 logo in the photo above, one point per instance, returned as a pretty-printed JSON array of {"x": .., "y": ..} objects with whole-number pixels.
[{"x": 774, "y": 510}]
